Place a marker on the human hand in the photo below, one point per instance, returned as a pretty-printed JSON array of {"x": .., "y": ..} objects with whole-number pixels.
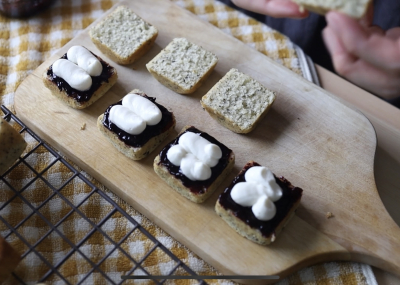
[
  {"x": 365, "y": 54},
  {"x": 274, "y": 8}
]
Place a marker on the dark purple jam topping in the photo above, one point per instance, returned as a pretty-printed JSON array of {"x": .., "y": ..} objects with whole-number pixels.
[
  {"x": 196, "y": 187},
  {"x": 148, "y": 133},
  {"x": 82, "y": 96},
  {"x": 290, "y": 195}
]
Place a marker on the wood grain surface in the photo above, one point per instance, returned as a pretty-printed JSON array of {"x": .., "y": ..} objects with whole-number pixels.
[{"x": 309, "y": 136}]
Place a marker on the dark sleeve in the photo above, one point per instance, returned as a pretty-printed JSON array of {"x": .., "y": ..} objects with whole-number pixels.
[{"x": 387, "y": 13}]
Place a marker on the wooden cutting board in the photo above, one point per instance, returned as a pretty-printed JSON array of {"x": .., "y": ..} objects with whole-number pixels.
[{"x": 309, "y": 136}]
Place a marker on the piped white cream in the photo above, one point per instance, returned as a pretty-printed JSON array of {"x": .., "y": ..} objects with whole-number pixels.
[
  {"x": 264, "y": 209},
  {"x": 85, "y": 60},
  {"x": 259, "y": 192},
  {"x": 246, "y": 193},
  {"x": 263, "y": 176},
  {"x": 127, "y": 120},
  {"x": 135, "y": 113},
  {"x": 144, "y": 108},
  {"x": 195, "y": 156},
  {"x": 75, "y": 76},
  {"x": 204, "y": 150}
]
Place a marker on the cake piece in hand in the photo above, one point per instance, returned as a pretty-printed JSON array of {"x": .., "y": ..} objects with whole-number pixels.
[
  {"x": 182, "y": 66},
  {"x": 136, "y": 125},
  {"x": 258, "y": 204},
  {"x": 194, "y": 164},
  {"x": 355, "y": 9},
  {"x": 79, "y": 77},
  {"x": 12, "y": 144},
  {"x": 238, "y": 101},
  {"x": 123, "y": 36}
]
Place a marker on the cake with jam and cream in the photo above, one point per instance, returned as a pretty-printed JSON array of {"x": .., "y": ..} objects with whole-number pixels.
[
  {"x": 79, "y": 77},
  {"x": 258, "y": 204},
  {"x": 194, "y": 164},
  {"x": 136, "y": 125}
]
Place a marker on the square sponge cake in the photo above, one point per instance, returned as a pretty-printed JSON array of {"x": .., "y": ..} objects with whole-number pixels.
[
  {"x": 182, "y": 66},
  {"x": 123, "y": 36},
  {"x": 258, "y": 204},
  {"x": 238, "y": 102},
  {"x": 12, "y": 145}
]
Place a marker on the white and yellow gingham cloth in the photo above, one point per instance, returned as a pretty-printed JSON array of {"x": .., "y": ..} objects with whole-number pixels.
[{"x": 24, "y": 45}]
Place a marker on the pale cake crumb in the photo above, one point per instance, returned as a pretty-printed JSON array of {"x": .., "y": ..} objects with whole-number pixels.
[
  {"x": 238, "y": 102},
  {"x": 182, "y": 66},
  {"x": 83, "y": 127},
  {"x": 354, "y": 8},
  {"x": 123, "y": 35},
  {"x": 329, "y": 215}
]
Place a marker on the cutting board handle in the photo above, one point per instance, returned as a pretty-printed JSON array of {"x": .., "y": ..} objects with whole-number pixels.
[
  {"x": 375, "y": 238},
  {"x": 384, "y": 252}
]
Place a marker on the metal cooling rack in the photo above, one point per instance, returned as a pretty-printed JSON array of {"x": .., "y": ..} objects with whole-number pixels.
[{"x": 31, "y": 248}]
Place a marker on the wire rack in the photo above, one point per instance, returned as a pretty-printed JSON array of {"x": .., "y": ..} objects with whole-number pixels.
[{"x": 33, "y": 250}]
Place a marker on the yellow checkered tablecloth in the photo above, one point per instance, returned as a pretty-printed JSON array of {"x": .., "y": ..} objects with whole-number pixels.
[{"x": 24, "y": 45}]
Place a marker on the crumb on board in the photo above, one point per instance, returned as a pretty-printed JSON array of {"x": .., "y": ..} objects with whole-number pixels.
[
  {"x": 329, "y": 215},
  {"x": 83, "y": 127}
]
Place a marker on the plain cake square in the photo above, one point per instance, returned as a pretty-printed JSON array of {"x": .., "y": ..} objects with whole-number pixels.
[
  {"x": 123, "y": 36},
  {"x": 238, "y": 102},
  {"x": 182, "y": 65},
  {"x": 195, "y": 190}
]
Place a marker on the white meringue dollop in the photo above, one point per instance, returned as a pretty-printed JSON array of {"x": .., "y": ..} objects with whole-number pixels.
[
  {"x": 259, "y": 192},
  {"x": 195, "y": 156},
  {"x": 75, "y": 76},
  {"x": 85, "y": 60},
  {"x": 135, "y": 113}
]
